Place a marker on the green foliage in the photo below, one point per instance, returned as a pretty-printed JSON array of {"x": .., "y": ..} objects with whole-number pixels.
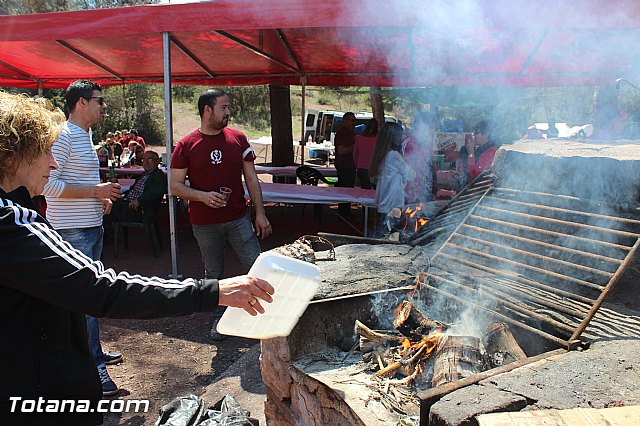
[
  {"x": 250, "y": 105},
  {"x": 185, "y": 93},
  {"x": 136, "y": 106}
]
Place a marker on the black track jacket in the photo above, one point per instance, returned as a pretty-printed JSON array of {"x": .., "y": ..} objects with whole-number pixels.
[{"x": 46, "y": 287}]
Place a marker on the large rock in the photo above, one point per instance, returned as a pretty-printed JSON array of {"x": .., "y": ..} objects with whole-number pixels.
[
  {"x": 460, "y": 408},
  {"x": 588, "y": 170},
  {"x": 361, "y": 268},
  {"x": 602, "y": 376}
]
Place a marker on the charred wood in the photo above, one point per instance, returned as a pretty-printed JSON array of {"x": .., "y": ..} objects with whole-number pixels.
[
  {"x": 457, "y": 357},
  {"x": 375, "y": 336},
  {"x": 414, "y": 324},
  {"x": 502, "y": 348}
]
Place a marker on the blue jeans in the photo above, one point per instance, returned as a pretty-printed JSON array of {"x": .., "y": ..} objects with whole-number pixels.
[
  {"x": 212, "y": 239},
  {"x": 89, "y": 242}
]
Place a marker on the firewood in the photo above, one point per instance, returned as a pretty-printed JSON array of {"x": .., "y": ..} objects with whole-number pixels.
[
  {"x": 502, "y": 348},
  {"x": 376, "y": 337},
  {"x": 457, "y": 357},
  {"x": 413, "y": 323}
]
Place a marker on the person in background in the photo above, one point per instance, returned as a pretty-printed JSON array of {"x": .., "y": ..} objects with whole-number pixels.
[
  {"x": 363, "y": 151},
  {"x": 552, "y": 131},
  {"x": 389, "y": 171},
  {"x": 136, "y": 157},
  {"x": 418, "y": 152},
  {"x": 344, "y": 141},
  {"x": 47, "y": 286},
  {"x": 533, "y": 133},
  {"x": 103, "y": 155},
  {"x": 477, "y": 154},
  {"x": 133, "y": 136},
  {"x": 114, "y": 147},
  {"x": 215, "y": 156},
  {"x": 77, "y": 201},
  {"x": 125, "y": 138},
  {"x": 145, "y": 193},
  {"x": 129, "y": 154}
]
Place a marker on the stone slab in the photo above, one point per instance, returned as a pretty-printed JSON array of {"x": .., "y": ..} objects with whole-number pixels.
[
  {"x": 459, "y": 408},
  {"x": 361, "y": 268},
  {"x": 605, "y": 375},
  {"x": 590, "y": 170}
]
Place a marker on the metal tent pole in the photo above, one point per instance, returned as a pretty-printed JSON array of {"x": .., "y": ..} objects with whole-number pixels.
[
  {"x": 303, "y": 141},
  {"x": 168, "y": 125}
]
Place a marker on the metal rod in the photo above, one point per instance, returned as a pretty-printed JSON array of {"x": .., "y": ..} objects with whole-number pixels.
[
  {"x": 514, "y": 287},
  {"x": 168, "y": 134},
  {"x": 529, "y": 267},
  {"x": 550, "y": 337},
  {"x": 538, "y": 256},
  {"x": 543, "y": 244},
  {"x": 552, "y": 233},
  {"x": 505, "y": 302},
  {"x": 558, "y": 197},
  {"x": 191, "y": 56},
  {"x": 458, "y": 227},
  {"x": 520, "y": 279},
  {"x": 563, "y": 222},
  {"x": 287, "y": 47},
  {"x": 369, "y": 293},
  {"x": 568, "y": 211},
  {"x": 527, "y": 295},
  {"x": 90, "y": 59},
  {"x": 254, "y": 49},
  {"x": 614, "y": 280},
  {"x": 303, "y": 141}
]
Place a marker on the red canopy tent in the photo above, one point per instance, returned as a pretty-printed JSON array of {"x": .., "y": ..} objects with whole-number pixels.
[
  {"x": 326, "y": 43},
  {"x": 329, "y": 43}
]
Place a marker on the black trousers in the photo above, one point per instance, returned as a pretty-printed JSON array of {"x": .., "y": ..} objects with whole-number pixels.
[{"x": 346, "y": 179}]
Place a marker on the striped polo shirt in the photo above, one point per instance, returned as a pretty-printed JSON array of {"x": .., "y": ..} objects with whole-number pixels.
[{"x": 79, "y": 165}]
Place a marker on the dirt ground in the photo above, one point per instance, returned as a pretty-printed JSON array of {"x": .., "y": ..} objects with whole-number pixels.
[{"x": 171, "y": 357}]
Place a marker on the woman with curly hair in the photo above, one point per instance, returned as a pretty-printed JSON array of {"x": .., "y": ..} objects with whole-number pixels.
[{"x": 47, "y": 286}]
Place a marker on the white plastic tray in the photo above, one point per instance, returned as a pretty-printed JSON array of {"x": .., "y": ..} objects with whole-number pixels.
[{"x": 295, "y": 283}]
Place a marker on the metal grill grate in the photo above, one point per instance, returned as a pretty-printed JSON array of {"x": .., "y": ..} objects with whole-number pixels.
[{"x": 541, "y": 262}]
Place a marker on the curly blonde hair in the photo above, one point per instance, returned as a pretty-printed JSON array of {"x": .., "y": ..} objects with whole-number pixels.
[{"x": 28, "y": 127}]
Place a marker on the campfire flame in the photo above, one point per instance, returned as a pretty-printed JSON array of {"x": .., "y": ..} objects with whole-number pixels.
[{"x": 411, "y": 222}]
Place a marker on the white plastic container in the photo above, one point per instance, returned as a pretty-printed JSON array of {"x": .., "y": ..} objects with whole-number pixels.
[{"x": 295, "y": 283}]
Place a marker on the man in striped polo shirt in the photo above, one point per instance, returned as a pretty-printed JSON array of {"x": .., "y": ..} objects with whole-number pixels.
[{"x": 76, "y": 200}]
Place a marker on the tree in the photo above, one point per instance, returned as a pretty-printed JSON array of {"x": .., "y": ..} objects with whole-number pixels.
[{"x": 281, "y": 134}]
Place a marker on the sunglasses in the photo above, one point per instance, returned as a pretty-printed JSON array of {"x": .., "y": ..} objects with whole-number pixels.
[{"x": 99, "y": 98}]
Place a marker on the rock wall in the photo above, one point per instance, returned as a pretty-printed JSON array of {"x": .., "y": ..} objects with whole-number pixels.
[{"x": 600, "y": 171}]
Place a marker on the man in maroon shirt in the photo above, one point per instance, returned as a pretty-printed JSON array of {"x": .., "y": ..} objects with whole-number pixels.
[
  {"x": 215, "y": 156},
  {"x": 345, "y": 165}
]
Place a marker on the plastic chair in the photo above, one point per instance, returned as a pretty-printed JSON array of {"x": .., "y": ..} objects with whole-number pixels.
[
  {"x": 148, "y": 222},
  {"x": 310, "y": 176}
]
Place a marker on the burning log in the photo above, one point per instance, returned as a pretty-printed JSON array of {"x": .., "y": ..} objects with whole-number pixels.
[
  {"x": 374, "y": 343},
  {"x": 501, "y": 346},
  {"x": 413, "y": 323},
  {"x": 377, "y": 337},
  {"x": 457, "y": 357}
]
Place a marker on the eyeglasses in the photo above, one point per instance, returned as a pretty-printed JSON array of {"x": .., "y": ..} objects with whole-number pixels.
[
  {"x": 99, "y": 98},
  {"x": 148, "y": 159}
]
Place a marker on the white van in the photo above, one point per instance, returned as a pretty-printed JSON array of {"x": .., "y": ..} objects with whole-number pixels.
[{"x": 322, "y": 125}]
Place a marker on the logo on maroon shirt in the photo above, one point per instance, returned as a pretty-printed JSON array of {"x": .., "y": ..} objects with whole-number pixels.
[{"x": 216, "y": 156}]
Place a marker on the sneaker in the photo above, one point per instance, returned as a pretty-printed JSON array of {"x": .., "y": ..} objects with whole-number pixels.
[
  {"x": 109, "y": 388},
  {"x": 112, "y": 357}
]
